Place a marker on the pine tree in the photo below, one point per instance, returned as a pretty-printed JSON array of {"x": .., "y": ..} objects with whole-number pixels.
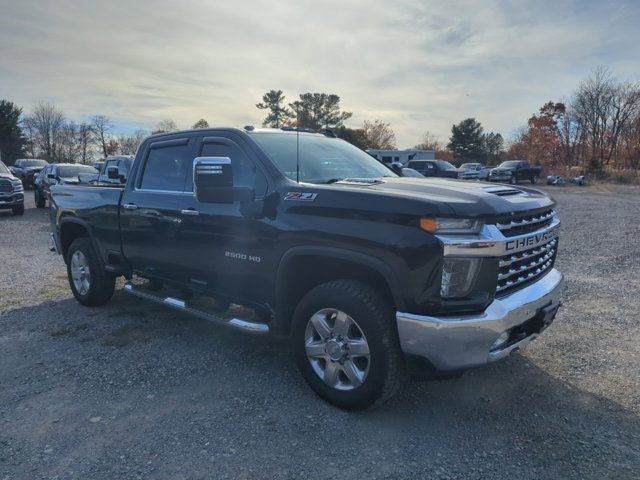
[
  {"x": 278, "y": 114},
  {"x": 12, "y": 140},
  {"x": 467, "y": 141}
]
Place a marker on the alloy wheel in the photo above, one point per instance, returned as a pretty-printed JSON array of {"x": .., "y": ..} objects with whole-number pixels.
[
  {"x": 80, "y": 273},
  {"x": 337, "y": 349}
]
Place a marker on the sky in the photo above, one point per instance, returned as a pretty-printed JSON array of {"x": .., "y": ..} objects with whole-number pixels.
[{"x": 420, "y": 65}]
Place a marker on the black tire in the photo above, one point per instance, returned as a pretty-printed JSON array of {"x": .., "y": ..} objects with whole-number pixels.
[
  {"x": 39, "y": 198},
  {"x": 513, "y": 180},
  {"x": 534, "y": 179},
  {"x": 101, "y": 283},
  {"x": 19, "y": 210},
  {"x": 375, "y": 318}
]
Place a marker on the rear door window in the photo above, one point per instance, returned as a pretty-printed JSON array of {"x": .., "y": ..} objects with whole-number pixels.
[{"x": 167, "y": 166}]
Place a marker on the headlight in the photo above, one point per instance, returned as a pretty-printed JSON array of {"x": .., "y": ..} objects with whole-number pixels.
[
  {"x": 451, "y": 226},
  {"x": 458, "y": 275}
]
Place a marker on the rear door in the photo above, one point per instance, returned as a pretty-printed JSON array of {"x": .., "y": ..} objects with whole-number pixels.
[
  {"x": 221, "y": 247},
  {"x": 149, "y": 212}
]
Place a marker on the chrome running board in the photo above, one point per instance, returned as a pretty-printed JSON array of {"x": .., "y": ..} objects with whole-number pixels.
[{"x": 181, "y": 305}]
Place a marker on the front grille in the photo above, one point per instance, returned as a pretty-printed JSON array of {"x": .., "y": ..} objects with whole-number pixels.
[
  {"x": 521, "y": 224},
  {"x": 6, "y": 186},
  {"x": 522, "y": 268}
]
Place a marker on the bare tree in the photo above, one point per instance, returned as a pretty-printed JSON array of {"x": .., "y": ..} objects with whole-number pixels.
[
  {"x": 101, "y": 127},
  {"x": 165, "y": 126},
  {"x": 85, "y": 141},
  {"x": 67, "y": 145},
  {"x": 379, "y": 135},
  {"x": 44, "y": 126},
  {"x": 129, "y": 143},
  {"x": 429, "y": 142},
  {"x": 604, "y": 108}
]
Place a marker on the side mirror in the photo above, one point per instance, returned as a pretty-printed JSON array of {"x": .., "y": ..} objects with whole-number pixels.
[
  {"x": 213, "y": 181},
  {"x": 396, "y": 167}
]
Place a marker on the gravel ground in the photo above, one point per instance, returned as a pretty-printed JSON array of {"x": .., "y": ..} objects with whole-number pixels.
[{"x": 131, "y": 390}]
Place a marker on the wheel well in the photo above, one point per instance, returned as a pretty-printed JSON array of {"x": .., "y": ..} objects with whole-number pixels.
[
  {"x": 304, "y": 272},
  {"x": 68, "y": 233}
]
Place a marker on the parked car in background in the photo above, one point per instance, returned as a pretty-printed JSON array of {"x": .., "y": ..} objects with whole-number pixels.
[
  {"x": 57, "y": 174},
  {"x": 512, "y": 171},
  {"x": 11, "y": 191},
  {"x": 480, "y": 170},
  {"x": 434, "y": 168},
  {"x": 113, "y": 171},
  {"x": 26, "y": 169}
]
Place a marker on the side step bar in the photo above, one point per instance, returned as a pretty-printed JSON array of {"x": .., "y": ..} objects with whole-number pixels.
[{"x": 181, "y": 305}]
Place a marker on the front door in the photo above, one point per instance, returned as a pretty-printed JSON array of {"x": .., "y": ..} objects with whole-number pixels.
[
  {"x": 149, "y": 212},
  {"x": 222, "y": 248}
]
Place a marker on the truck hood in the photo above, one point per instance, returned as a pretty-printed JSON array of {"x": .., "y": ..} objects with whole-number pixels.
[{"x": 437, "y": 196}]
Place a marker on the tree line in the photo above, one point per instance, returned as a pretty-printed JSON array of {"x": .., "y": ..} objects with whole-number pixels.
[
  {"x": 47, "y": 133},
  {"x": 597, "y": 130}
]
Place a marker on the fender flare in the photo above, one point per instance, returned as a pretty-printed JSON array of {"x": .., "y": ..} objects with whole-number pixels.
[
  {"x": 342, "y": 254},
  {"x": 84, "y": 224}
]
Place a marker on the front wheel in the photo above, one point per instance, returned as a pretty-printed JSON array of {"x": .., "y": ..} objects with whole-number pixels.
[
  {"x": 89, "y": 282},
  {"x": 346, "y": 344}
]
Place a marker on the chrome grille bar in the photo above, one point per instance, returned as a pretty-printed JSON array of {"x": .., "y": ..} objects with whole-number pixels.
[
  {"x": 506, "y": 261},
  {"x": 527, "y": 221}
]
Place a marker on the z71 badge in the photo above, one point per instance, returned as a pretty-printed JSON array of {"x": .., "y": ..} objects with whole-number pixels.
[{"x": 301, "y": 196}]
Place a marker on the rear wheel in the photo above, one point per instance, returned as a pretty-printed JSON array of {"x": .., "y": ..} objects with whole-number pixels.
[
  {"x": 513, "y": 180},
  {"x": 346, "y": 344},
  {"x": 38, "y": 197},
  {"x": 90, "y": 283},
  {"x": 535, "y": 179}
]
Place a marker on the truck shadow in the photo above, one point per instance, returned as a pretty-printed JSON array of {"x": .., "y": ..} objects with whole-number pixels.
[{"x": 204, "y": 374}]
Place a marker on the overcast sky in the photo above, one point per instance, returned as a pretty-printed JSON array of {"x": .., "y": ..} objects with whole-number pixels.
[{"x": 418, "y": 64}]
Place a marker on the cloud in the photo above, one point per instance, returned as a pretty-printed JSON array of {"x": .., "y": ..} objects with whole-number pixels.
[{"x": 420, "y": 65}]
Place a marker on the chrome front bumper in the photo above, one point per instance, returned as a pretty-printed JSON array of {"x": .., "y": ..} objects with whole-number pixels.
[{"x": 461, "y": 342}]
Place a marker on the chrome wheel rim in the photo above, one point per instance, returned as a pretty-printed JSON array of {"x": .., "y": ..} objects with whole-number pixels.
[
  {"x": 337, "y": 349},
  {"x": 80, "y": 273}
]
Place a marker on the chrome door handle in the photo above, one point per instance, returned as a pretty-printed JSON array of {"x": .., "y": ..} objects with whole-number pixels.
[
  {"x": 190, "y": 211},
  {"x": 130, "y": 206}
]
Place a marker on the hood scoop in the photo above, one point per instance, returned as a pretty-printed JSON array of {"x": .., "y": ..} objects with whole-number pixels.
[
  {"x": 505, "y": 191},
  {"x": 361, "y": 181}
]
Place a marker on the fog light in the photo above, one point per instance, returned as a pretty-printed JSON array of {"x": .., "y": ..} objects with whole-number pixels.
[
  {"x": 502, "y": 339},
  {"x": 458, "y": 275}
]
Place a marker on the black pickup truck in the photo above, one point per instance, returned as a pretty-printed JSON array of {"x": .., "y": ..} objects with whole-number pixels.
[
  {"x": 512, "y": 171},
  {"x": 369, "y": 274}
]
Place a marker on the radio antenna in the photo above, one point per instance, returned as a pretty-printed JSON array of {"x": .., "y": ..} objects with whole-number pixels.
[{"x": 297, "y": 146}]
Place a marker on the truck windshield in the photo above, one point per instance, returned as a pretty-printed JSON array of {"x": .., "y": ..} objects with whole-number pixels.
[
  {"x": 510, "y": 164},
  {"x": 322, "y": 159},
  {"x": 75, "y": 170},
  {"x": 444, "y": 165}
]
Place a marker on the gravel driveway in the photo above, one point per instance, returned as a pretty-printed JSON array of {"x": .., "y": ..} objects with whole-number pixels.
[{"x": 132, "y": 390}]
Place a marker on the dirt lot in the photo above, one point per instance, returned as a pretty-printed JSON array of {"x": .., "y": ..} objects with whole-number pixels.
[{"x": 136, "y": 391}]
